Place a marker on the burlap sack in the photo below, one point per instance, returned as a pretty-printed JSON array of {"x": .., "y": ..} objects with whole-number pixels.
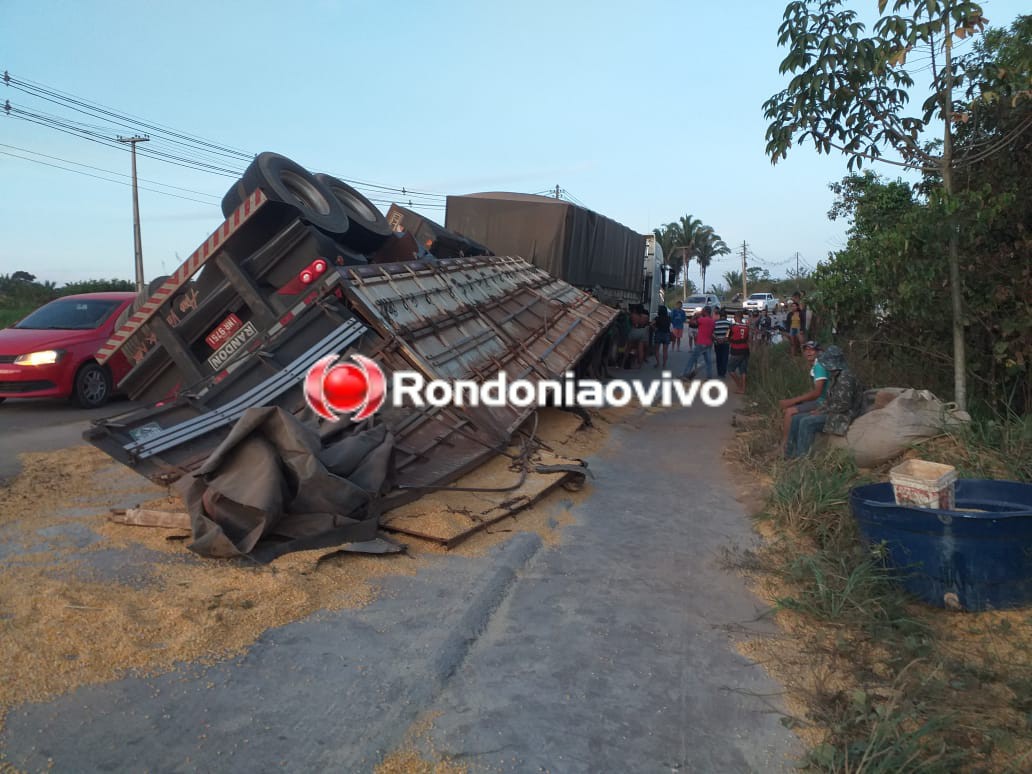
[{"x": 884, "y": 433}]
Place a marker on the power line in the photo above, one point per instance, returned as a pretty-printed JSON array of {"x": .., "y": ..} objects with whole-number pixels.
[
  {"x": 107, "y": 171},
  {"x": 573, "y": 198},
  {"x": 381, "y": 202},
  {"x": 85, "y": 131},
  {"x": 771, "y": 264},
  {"x": 100, "y": 138},
  {"x": 99, "y": 111},
  {"x": 98, "y": 177},
  {"x": 186, "y": 144},
  {"x": 168, "y": 145}
]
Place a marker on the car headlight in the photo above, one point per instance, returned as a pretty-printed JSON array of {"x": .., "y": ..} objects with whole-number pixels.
[{"x": 46, "y": 357}]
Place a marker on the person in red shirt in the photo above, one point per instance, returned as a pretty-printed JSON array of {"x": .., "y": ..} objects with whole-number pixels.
[
  {"x": 738, "y": 361},
  {"x": 703, "y": 346}
]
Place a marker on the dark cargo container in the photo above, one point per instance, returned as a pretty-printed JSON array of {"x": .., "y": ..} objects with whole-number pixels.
[{"x": 569, "y": 242}]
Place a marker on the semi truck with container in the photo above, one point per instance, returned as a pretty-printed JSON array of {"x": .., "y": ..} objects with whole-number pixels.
[
  {"x": 305, "y": 271},
  {"x": 303, "y": 268},
  {"x": 570, "y": 242}
]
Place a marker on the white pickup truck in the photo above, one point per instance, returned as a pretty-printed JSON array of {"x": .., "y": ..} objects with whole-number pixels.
[{"x": 757, "y": 302}]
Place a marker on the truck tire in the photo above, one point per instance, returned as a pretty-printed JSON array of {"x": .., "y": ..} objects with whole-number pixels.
[
  {"x": 368, "y": 228},
  {"x": 287, "y": 182},
  {"x": 92, "y": 386}
]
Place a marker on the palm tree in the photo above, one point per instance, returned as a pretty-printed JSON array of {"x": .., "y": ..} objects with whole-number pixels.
[
  {"x": 733, "y": 278},
  {"x": 708, "y": 245},
  {"x": 678, "y": 242}
]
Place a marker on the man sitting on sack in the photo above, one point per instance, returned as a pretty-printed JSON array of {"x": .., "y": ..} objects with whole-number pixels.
[{"x": 843, "y": 399}]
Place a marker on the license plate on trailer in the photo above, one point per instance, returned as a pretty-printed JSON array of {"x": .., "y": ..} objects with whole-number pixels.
[
  {"x": 223, "y": 331},
  {"x": 234, "y": 345}
]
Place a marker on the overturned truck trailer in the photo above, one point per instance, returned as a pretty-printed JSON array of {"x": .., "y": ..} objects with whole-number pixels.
[{"x": 278, "y": 287}]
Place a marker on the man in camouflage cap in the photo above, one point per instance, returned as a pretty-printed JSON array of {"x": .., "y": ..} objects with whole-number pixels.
[
  {"x": 843, "y": 399},
  {"x": 845, "y": 392}
]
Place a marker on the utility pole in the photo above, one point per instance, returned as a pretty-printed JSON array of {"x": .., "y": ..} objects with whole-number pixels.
[
  {"x": 557, "y": 192},
  {"x": 797, "y": 268},
  {"x": 745, "y": 292},
  {"x": 137, "y": 242},
  {"x": 684, "y": 264}
]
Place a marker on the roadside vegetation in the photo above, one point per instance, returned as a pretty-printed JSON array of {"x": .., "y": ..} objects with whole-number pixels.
[
  {"x": 940, "y": 268},
  {"x": 875, "y": 681},
  {"x": 20, "y": 293}
]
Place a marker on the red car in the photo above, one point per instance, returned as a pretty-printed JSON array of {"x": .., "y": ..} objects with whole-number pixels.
[{"x": 50, "y": 353}]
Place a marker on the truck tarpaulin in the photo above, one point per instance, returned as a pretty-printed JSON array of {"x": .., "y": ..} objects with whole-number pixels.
[
  {"x": 272, "y": 487},
  {"x": 569, "y": 242}
]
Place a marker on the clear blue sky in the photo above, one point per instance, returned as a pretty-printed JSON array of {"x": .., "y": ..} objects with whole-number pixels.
[{"x": 642, "y": 111}]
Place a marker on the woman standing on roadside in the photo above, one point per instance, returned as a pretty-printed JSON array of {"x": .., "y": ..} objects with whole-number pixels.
[
  {"x": 794, "y": 323},
  {"x": 678, "y": 318},
  {"x": 662, "y": 326},
  {"x": 638, "y": 337}
]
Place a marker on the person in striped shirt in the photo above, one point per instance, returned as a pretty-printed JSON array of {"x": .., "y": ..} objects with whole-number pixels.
[{"x": 721, "y": 342}]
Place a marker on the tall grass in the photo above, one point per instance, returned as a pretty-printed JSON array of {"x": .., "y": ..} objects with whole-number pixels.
[
  {"x": 892, "y": 702},
  {"x": 810, "y": 496},
  {"x": 987, "y": 447},
  {"x": 775, "y": 373},
  {"x": 855, "y": 587},
  {"x": 889, "y": 733}
]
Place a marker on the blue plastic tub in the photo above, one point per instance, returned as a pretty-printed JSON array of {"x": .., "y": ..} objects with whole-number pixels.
[{"x": 983, "y": 558}]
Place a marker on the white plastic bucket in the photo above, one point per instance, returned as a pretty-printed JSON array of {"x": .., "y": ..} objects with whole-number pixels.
[{"x": 924, "y": 484}]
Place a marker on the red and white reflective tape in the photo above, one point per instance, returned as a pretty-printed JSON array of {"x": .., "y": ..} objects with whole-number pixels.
[
  {"x": 328, "y": 284},
  {"x": 189, "y": 267}
]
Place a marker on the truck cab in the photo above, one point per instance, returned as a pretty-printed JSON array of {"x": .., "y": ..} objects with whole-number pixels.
[{"x": 652, "y": 291}]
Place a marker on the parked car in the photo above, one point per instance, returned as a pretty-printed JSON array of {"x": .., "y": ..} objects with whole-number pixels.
[
  {"x": 694, "y": 304},
  {"x": 50, "y": 353},
  {"x": 757, "y": 302}
]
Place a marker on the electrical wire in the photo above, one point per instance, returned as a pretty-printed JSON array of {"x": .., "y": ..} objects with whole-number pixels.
[
  {"x": 99, "y": 111},
  {"x": 185, "y": 149},
  {"x": 171, "y": 146},
  {"x": 107, "y": 171},
  {"x": 98, "y": 177},
  {"x": 88, "y": 132},
  {"x": 101, "y": 139},
  {"x": 566, "y": 194}
]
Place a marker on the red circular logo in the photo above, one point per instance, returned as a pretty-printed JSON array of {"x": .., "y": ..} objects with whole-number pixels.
[{"x": 345, "y": 388}]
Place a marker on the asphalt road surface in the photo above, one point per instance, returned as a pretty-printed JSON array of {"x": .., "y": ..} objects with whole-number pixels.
[
  {"x": 610, "y": 651},
  {"x": 44, "y": 425}
]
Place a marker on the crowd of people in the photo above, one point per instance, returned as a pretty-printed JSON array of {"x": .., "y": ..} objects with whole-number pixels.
[
  {"x": 718, "y": 347},
  {"x": 723, "y": 344}
]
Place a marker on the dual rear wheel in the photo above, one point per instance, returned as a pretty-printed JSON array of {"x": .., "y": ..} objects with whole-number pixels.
[{"x": 326, "y": 202}]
